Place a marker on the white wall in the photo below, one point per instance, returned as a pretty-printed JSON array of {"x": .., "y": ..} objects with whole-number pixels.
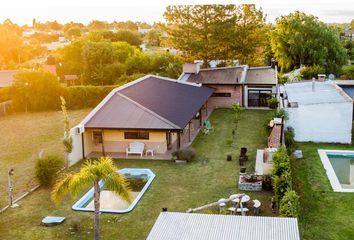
[
  {"x": 330, "y": 122},
  {"x": 76, "y": 154}
]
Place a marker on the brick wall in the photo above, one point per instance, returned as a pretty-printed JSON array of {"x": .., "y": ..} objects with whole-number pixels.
[{"x": 225, "y": 102}]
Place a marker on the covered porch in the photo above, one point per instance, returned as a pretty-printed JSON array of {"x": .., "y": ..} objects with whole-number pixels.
[{"x": 164, "y": 145}]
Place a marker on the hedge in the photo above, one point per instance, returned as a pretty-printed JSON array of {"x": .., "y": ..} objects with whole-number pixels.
[
  {"x": 282, "y": 184},
  {"x": 42, "y": 99}
]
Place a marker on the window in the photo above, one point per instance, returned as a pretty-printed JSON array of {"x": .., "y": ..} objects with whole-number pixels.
[
  {"x": 221, "y": 94},
  {"x": 97, "y": 137},
  {"x": 136, "y": 135}
]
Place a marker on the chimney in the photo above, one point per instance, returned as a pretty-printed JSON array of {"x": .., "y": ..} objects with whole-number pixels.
[
  {"x": 313, "y": 84},
  {"x": 191, "y": 68},
  {"x": 321, "y": 77}
]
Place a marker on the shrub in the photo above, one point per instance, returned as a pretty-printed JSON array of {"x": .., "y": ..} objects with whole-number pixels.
[
  {"x": 289, "y": 204},
  {"x": 273, "y": 103},
  {"x": 185, "y": 154},
  {"x": 281, "y": 162},
  {"x": 281, "y": 185},
  {"x": 311, "y": 71},
  {"x": 46, "y": 169},
  {"x": 289, "y": 140}
]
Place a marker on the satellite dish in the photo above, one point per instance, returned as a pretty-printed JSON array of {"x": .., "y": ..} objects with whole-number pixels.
[{"x": 331, "y": 76}]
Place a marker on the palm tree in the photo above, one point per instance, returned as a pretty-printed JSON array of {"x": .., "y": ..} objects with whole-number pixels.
[{"x": 91, "y": 173}]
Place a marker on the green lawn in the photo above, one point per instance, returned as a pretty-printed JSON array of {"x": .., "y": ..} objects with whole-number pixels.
[
  {"x": 177, "y": 187},
  {"x": 324, "y": 213},
  {"x": 23, "y": 136}
]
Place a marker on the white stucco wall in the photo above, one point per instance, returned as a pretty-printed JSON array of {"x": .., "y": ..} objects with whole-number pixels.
[
  {"x": 76, "y": 154},
  {"x": 325, "y": 122}
]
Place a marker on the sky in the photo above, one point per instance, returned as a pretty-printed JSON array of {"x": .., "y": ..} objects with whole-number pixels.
[{"x": 150, "y": 11}]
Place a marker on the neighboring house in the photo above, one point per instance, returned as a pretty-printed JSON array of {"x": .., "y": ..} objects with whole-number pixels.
[
  {"x": 190, "y": 226},
  {"x": 251, "y": 87},
  {"x": 349, "y": 33},
  {"x": 157, "y": 111},
  {"x": 7, "y": 78},
  {"x": 71, "y": 79},
  {"x": 318, "y": 111}
]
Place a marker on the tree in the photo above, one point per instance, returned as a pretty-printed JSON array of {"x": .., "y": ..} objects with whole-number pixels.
[
  {"x": 237, "y": 110},
  {"x": 36, "y": 90},
  {"x": 67, "y": 139},
  {"x": 97, "y": 58},
  {"x": 352, "y": 25},
  {"x": 90, "y": 174},
  {"x": 302, "y": 39},
  {"x": 225, "y": 32},
  {"x": 97, "y": 25},
  {"x": 153, "y": 38},
  {"x": 311, "y": 72},
  {"x": 10, "y": 46}
]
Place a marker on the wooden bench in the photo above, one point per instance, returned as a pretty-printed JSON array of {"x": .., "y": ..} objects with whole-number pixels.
[{"x": 135, "y": 148}]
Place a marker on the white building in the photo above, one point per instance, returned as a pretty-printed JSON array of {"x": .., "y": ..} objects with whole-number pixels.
[{"x": 318, "y": 112}]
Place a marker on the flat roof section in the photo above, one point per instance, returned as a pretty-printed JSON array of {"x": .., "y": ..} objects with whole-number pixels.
[{"x": 307, "y": 93}]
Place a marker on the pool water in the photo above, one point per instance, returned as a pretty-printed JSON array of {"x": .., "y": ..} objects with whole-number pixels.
[
  {"x": 139, "y": 180},
  {"x": 343, "y": 167}
]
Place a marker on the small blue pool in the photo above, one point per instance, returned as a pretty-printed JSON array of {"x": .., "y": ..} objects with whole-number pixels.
[
  {"x": 339, "y": 166},
  {"x": 139, "y": 180}
]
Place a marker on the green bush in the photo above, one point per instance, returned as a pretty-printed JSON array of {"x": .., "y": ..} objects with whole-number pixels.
[
  {"x": 289, "y": 204},
  {"x": 46, "y": 169},
  {"x": 273, "y": 103},
  {"x": 281, "y": 185},
  {"x": 311, "y": 72},
  {"x": 281, "y": 162},
  {"x": 184, "y": 154},
  {"x": 289, "y": 140}
]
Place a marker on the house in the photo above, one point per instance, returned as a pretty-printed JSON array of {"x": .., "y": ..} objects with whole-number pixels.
[
  {"x": 318, "y": 111},
  {"x": 188, "y": 226},
  {"x": 250, "y": 87},
  {"x": 71, "y": 79},
  {"x": 162, "y": 113},
  {"x": 7, "y": 78}
]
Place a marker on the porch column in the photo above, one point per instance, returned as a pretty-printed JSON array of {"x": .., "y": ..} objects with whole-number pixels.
[
  {"x": 103, "y": 151},
  {"x": 206, "y": 108},
  {"x": 178, "y": 140},
  {"x": 189, "y": 131},
  {"x": 83, "y": 145},
  {"x": 200, "y": 118}
]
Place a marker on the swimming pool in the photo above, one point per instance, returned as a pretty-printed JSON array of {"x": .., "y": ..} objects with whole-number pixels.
[
  {"x": 339, "y": 166},
  {"x": 139, "y": 180}
]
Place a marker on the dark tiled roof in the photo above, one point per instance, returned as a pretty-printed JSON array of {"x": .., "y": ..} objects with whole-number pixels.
[
  {"x": 348, "y": 89},
  {"x": 152, "y": 103},
  {"x": 7, "y": 77},
  {"x": 261, "y": 75},
  {"x": 227, "y": 75},
  {"x": 123, "y": 113}
]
